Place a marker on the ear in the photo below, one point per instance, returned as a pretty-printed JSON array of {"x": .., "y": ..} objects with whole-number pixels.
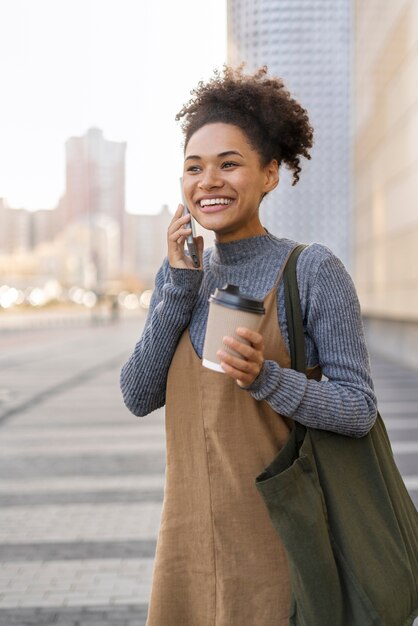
[{"x": 271, "y": 171}]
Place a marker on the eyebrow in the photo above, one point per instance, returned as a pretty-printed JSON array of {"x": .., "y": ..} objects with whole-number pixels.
[{"x": 221, "y": 154}]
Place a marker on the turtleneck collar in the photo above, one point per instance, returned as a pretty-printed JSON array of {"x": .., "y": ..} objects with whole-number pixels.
[{"x": 241, "y": 250}]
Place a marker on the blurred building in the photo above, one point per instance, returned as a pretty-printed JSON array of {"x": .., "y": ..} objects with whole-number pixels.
[
  {"x": 386, "y": 173},
  {"x": 90, "y": 248},
  {"x": 145, "y": 244},
  {"x": 308, "y": 45},
  {"x": 15, "y": 230},
  {"x": 95, "y": 178},
  {"x": 88, "y": 240},
  {"x": 45, "y": 225},
  {"x": 17, "y": 266},
  {"x": 3, "y": 226}
]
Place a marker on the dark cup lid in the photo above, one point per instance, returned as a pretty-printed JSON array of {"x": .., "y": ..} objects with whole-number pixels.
[{"x": 230, "y": 296}]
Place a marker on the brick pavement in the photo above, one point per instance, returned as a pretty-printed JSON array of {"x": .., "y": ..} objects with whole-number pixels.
[{"x": 81, "y": 479}]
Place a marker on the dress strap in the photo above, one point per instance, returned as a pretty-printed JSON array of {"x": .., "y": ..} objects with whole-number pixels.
[{"x": 277, "y": 281}]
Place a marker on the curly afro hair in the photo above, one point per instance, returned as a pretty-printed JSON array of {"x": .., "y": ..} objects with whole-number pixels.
[{"x": 275, "y": 123}]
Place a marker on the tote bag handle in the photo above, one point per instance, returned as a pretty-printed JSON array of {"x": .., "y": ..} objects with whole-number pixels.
[{"x": 293, "y": 311}]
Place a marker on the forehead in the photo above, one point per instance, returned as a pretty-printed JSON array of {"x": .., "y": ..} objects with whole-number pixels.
[{"x": 212, "y": 139}]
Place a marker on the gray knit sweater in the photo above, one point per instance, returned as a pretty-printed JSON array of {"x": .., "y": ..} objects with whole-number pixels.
[{"x": 343, "y": 401}]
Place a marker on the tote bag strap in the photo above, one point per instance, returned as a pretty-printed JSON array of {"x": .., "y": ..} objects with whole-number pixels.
[{"x": 293, "y": 311}]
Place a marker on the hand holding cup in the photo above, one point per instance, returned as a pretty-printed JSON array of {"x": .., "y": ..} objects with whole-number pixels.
[
  {"x": 245, "y": 368},
  {"x": 233, "y": 342}
]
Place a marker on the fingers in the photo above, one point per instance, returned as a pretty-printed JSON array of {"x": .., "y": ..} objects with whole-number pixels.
[
  {"x": 176, "y": 236},
  {"x": 177, "y": 233},
  {"x": 178, "y": 229},
  {"x": 239, "y": 363},
  {"x": 254, "y": 351},
  {"x": 245, "y": 367},
  {"x": 243, "y": 378},
  {"x": 252, "y": 336}
]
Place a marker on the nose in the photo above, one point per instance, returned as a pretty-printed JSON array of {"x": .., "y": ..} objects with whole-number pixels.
[{"x": 210, "y": 179}]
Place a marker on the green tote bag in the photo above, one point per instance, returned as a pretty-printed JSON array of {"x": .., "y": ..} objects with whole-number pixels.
[{"x": 341, "y": 508}]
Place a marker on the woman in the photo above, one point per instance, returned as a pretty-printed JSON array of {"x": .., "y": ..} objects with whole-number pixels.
[{"x": 219, "y": 560}]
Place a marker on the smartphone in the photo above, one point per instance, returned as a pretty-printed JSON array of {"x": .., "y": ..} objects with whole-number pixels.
[{"x": 191, "y": 245}]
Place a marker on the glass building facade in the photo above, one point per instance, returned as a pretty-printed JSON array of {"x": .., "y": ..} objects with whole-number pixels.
[{"x": 308, "y": 45}]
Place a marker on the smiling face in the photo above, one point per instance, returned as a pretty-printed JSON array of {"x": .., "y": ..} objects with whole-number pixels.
[{"x": 224, "y": 181}]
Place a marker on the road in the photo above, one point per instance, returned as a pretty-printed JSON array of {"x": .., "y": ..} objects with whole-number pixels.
[{"x": 81, "y": 479}]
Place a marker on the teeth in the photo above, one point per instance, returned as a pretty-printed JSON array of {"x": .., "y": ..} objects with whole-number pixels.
[{"x": 210, "y": 201}]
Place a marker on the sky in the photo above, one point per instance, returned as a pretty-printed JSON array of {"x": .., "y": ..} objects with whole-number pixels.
[{"x": 125, "y": 66}]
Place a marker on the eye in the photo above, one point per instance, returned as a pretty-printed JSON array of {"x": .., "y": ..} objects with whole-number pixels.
[
  {"x": 229, "y": 164},
  {"x": 193, "y": 168}
]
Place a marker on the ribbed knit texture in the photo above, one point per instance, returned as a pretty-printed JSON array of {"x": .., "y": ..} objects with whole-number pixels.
[{"x": 334, "y": 337}]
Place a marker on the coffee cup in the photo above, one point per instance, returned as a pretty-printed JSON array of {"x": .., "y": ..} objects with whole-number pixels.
[{"x": 228, "y": 310}]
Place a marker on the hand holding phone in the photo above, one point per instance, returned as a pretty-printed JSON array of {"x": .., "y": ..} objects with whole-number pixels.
[{"x": 191, "y": 244}]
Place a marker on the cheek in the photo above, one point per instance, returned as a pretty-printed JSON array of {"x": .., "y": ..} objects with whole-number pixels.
[{"x": 188, "y": 193}]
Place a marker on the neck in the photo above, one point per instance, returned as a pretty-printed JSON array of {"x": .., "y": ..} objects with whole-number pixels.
[
  {"x": 254, "y": 230},
  {"x": 241, "y": 251}
]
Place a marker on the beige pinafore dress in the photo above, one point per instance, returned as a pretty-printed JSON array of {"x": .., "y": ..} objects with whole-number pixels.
[{"x": 219, "y": 561}]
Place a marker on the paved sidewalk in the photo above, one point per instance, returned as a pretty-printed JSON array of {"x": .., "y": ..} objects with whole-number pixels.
[{"x": 81, "y": 479}]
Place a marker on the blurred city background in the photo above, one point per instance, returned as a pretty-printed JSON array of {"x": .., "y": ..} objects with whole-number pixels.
[
  {"x": 352, "y": 65},
  {"x": 90, "y": 159}
]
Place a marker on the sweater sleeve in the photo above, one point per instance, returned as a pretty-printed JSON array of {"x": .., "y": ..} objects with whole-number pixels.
[
  {"x": 143, "y": 377},
  {"x": 345, "y": 401}
]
